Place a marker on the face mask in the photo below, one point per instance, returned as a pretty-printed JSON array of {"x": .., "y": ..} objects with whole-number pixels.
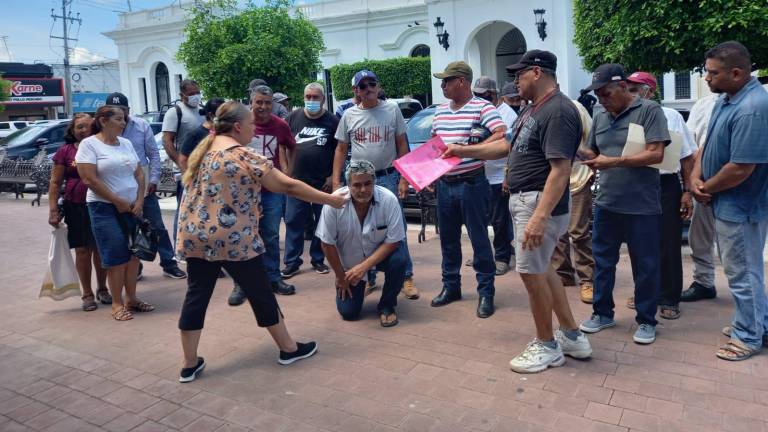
[
  {"x": 194, "y": 100},
  {"x": 312, "y": 106}
]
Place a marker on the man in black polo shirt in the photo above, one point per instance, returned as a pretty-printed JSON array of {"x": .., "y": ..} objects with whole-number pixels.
[
  {"x": 541, "y": 145},
  {"x": 313, "y": 128},
  {"x": 628, "y": 204}
]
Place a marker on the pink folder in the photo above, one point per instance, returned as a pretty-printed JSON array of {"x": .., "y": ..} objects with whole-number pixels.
[{"x": 424, "y": 165}]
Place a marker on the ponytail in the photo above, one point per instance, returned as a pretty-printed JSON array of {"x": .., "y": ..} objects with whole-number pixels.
[{"x": 227, "y": 115}]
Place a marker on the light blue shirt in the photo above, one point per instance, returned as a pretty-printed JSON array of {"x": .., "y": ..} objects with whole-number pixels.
[
  {"x": 341, "y": 227},
  {"x": 139, "y": 133},
  {"x": 738, "y": 133}
]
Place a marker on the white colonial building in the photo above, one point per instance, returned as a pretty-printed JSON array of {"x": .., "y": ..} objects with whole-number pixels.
[{"x": 488, "y": 34}]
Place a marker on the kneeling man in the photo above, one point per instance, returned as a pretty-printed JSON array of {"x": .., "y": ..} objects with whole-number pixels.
[{"x": 366, "y": 232}]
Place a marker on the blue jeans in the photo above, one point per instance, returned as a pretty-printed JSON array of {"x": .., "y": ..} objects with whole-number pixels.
[
  {"x": 641, "y": 233},
  {"x": 465, "y": 202},
  {"x": 501, "y": 221},
  {"x": 394, "y": 275},
  {"x": 390, "y": 181},
  {"x": 164, "y": 247},
  {"x": 296, "y": 213},
  {"x": 272, "y": 205},
  {"x": 741, "y": 251}
]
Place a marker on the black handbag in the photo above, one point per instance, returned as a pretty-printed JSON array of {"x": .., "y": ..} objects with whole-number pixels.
[{"x": 143, "y": 240}]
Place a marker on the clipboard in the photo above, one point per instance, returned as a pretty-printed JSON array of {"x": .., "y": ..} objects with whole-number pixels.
[{"x": 636, "y": 144}]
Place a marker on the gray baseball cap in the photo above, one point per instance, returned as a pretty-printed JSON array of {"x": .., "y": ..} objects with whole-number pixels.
[
  {"x": 484, "y": 84},
  {"x": 510, "y": 90}
]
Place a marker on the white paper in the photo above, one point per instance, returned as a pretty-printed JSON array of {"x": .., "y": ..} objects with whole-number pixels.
[{"x": 636, "y": 144}]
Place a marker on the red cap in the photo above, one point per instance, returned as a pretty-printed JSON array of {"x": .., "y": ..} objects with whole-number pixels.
[{"x": 643, "y": 78}]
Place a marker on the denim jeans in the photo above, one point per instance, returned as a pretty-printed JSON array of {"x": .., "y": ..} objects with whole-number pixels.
[
  {"x": 741, "y": 251},
  {"x": 164, "y": 247},
  {"x": 296, "y": 214},
  {"x": 394, "y": 275},
  {"x": 465, "y": 202},
  {"x": 641, "y": 232},
  {"x": 501, "y": 221},
  {"x": 272, "y": 205},
  {"x": 390, "y": 181}
]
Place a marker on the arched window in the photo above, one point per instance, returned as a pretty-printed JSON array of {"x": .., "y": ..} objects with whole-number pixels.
[
  {"x": 161, "y": 85},
  {"x": 420, "y": 50}
]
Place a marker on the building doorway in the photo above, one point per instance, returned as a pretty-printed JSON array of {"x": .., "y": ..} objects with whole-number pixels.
[{"x": 162, "y": 81}]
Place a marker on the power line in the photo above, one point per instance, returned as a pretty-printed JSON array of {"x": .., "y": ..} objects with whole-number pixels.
[
  {"x": 7, "y": 50},
  {"x": 67, "y": 20}
]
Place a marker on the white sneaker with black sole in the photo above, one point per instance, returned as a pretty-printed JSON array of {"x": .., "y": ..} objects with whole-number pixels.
[
  {"x": 579, "y": 348},
  {"x": 303, "y": 350},
  {"x": 189, "y": 374}
]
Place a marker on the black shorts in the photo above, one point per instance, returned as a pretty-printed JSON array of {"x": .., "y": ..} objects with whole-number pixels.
[{"x": 78, "y": 222}]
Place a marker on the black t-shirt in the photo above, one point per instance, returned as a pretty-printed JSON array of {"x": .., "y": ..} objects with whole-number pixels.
[
  {"x": 315, "y": 146},
  {"x": 553, "y": 131},
  {"x": 192, "y": 140}
]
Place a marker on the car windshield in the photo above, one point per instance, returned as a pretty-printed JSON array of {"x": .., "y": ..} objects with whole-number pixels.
[
  {"x": 419, "y": 128},
  {"x": 24, "y": 136}
]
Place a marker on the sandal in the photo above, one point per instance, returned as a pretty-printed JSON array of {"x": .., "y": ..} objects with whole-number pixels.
[
  {"x": 104, "y": 296},
  {"x": 384, "y": 318},
  {"x": 89, "y": 305},
  {"x": 670, "y": 312},
  {"x": 735, "y": 350},
  {"x": 631, "y": 302},
  {"x": 122, "y": 314},
  {"x": 728, "y": 329},
  {"x": 141, "y": 306}
]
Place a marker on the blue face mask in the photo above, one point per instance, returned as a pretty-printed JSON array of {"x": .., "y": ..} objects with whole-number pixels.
[{"x": 312, "y": 107}]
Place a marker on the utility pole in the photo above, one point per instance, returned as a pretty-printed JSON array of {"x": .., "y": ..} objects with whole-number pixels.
[
  {"x": 67, "y": 20},
  {"x": 7, "y": 50}
]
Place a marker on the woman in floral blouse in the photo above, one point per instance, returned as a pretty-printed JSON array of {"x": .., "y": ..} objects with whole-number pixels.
[{"x": 219, "y": 227}]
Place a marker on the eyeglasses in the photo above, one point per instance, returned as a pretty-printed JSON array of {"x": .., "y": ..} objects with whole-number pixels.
[
  {"x": 521, "y": 72},
  {"x": 449, "y": 79},
  {"x": 365, "y": 85}
]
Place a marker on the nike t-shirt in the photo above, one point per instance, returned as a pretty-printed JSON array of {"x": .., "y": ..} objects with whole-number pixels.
[{"x": 315, "y": 146}]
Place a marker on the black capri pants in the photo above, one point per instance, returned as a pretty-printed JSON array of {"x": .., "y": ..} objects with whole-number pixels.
[{"x": 250, "y": 275}]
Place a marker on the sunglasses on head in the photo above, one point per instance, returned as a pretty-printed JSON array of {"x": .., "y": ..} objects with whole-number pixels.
[{"x": 365, "y": 85}]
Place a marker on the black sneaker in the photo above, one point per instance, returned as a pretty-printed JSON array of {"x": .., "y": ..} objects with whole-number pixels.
[
  {"x": 189, "y": 374},
  {"x": 141, "y": 270},
  {"x": 698, "y": 291},
  {"x": 321, "y": 268},
  {"x": 303, "y": 350},
  {"x": 289, "y": 271},
  {"x": 283, "y": 288},
  {"x": 174, "y": 273},
  {"x": 237, "y": 297}
]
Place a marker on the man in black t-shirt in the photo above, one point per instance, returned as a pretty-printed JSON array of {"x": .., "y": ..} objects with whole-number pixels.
[
  {"x": 541, "y": 145},
  {"x": 313, "y": 128}
]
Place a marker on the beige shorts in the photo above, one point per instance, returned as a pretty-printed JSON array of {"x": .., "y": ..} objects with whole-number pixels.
[{"x": 536, "y": 261}]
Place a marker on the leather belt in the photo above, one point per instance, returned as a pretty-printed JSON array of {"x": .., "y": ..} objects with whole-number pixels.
[{"x": 464, "y": 176}]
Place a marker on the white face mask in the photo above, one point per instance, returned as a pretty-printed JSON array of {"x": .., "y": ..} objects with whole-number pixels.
[{"x": 194, "y": 100}]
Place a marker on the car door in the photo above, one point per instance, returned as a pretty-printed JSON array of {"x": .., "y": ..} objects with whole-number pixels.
[{"x": 54, "y": 138}]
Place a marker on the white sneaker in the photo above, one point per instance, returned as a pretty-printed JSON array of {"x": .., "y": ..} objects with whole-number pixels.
[
  {"x": 579, "y": 348},
  {"x": 537, "y": 357}
]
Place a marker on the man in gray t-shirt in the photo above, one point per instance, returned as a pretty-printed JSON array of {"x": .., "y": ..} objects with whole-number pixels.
[
  {"x": 628, "y": 200},
  {"x": 174, "y": 131}
]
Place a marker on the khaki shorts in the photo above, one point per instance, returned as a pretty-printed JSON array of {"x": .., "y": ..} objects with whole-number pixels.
[{"x": 537, "y": 261}]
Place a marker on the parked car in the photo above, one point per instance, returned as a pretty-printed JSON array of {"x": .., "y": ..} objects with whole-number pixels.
[
  {"x": 157, "y": 116},
  {"x": 9, "y": 127},
  {"x": 408, "y": 107},
  {"x": 27, "y": 142},
  {"x": 418, "y": 130}
]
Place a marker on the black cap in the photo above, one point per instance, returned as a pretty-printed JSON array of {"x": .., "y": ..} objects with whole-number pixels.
[
  {"x": 606, "y": 74},
  {"x": 539, "y": 58},
  {"x": 116, "y": 98}
]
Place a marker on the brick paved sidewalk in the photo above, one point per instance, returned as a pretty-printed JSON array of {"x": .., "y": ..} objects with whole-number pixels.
[{"x": 443, "y": 369}]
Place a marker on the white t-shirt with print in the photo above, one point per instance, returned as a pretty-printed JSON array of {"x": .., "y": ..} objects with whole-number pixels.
[{"x": 115, "y": 165}]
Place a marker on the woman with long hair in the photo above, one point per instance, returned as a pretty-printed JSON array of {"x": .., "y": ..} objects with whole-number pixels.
[
  {"x": 219, "y": 227},
  {"x": 108, "y": 164},
  {"x": 75, "y": 212}
]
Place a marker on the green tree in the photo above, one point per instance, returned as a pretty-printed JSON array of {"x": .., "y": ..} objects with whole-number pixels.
[
  {"x": 226, "y": 47},
  {"x": 667, "y": 35},
  {"x": 399, "y": 76},
  {"x": 5, "y": 92}
]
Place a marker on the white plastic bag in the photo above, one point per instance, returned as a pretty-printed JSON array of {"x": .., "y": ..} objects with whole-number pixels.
[{"x": 61, "y": 279}]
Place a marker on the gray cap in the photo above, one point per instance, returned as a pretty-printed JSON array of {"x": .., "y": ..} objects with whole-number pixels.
[
  {"x": 484, "y": 84},
  {"x": 510, "y": 90},
  {"x": 255, "y": 83},
  {"x": 279, "y": 97}
]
